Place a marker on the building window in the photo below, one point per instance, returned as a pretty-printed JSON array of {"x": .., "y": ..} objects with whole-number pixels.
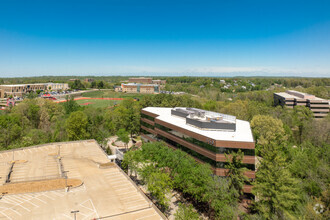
[
  {"x": 147, "y": 117},
  {"x": 201, "y": 157},
  {"x": 207, "y": 146},
  {"x": 146, "y": 125}
]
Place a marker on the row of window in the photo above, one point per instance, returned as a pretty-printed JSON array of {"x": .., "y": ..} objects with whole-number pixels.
[
  {"x": 145, "y": 124},
  {"x": 209, "y": 147},
  {"x": 147, "y": 117},
  {"x": 201, "y": 157}
]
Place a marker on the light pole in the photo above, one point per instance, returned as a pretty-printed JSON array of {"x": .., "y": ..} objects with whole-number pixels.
[{"x": 74, "y": 213}]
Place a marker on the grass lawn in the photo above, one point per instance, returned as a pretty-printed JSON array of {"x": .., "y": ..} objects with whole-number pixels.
[
  {"x": 97, "y": 103},
  {"x": 112, "y": 94}
]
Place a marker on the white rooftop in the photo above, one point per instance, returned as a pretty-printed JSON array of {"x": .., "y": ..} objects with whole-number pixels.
[
  {"x": 243, "y": 131},
  {"x": 292, "y": 94}
]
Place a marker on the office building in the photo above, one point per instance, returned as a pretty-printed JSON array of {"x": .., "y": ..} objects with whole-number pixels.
[
  {"x": 20, "y": 89},
  {"x": 57, "y": 86},
  {"x": 139, "y": 88},
  {"x": 140, "y": 80},
  {"x": 291, "y": 98},
  {"x": 205, "y": 135}
]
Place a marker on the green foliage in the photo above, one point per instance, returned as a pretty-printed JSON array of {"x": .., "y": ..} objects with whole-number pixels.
[
  {"x": 301, "y": 117},
  {"x": 123, "y": 136},
  {"x": 76, "y": 85},
  {"x": 186, "y": 212},
  {"x": 266, "y": 129},
  {"x": 311, "y": 164},
  {"x": 76, "y": 126},
  {"x": 100, "y": 85},
  {"x": 10, "y": 127},
  {"x": 159, "y": 184},
  {"x": 186, "y": 175},
  {"x": 236, "y": 170},
  {"x": 70, "y": 105},
  {"x": 278, "y": 192}
]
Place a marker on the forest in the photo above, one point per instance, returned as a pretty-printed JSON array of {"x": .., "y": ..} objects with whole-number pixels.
[{"x": 292, "y": 179}]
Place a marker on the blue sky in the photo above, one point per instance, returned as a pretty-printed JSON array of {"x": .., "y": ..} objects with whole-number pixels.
[{"x": 164, "y": 37}]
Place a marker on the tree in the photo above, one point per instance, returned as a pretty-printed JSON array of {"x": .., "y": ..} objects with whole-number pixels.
[
  {"x": 70, "y": 105},
  {"x": 76, "y": 126},
  {"x": 186, "y": 212},
  {"x": 93, "y": 84},
  {"x": 128, "y": 116},
  {"x": 301, "y": 118},
  {"x": 44, "y": 120},
  {"x": 236, "y": 170},
  {"x": 266, "y": 129},
  {"x": 159, "y": 184},
  {"x": 276, "y": 190},
  {"x": 100, "y": 85},
  {"x": 222, "y": 198},
  {"x": 123, "y": 136},
  {"x": 76, "y": 84},
  {"x": 10, "y": 130},
  {"x": 238, "y": 108}
]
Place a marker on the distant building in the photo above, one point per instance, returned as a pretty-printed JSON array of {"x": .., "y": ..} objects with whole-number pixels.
[
  {"x": 89, "y": 80},
  {"x": 204, "y": 135},
  {"x": 141, "y": 80},
  {"x": 57, "y": 86},
  {"x": 144, "y": 80},
  {"x": 20, "y": 89},
  {"x": 118, "y": 89},
  {"x": 222, "y": 81},
  {"x": 139, "y": 88},
  {"x": 159, "y": 82},
  {"x": 291, "y": 98}
]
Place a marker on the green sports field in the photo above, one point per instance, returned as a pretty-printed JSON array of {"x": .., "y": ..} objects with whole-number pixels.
[
  {"x": 112, "y": 94},
  {"x": 97, "y": 103}
]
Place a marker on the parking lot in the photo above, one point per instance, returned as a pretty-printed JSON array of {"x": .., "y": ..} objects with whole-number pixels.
[{"x": 105, "y": 193}]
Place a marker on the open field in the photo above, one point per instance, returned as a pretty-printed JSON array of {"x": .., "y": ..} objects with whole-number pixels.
[
  {"x": 105, "y": 192},
  {"x": 97, "y": 102},
  {"x": 112, "y": 94}
]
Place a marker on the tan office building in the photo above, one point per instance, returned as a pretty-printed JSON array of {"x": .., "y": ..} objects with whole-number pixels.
[
  {"x": 20, "y": 89},
  {"x": 139, "y": 88},
  {"x": 291, "y": 98},
  {"x": 141, "y": 80},
  {"x": 57, "y": 86}
]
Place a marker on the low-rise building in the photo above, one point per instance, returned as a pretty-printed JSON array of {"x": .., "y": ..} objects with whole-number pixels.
[
  {"x": 140, "y": 80},
  {"x": 144, "y": 80},
  {"x": 89, "y": 80},
  {"x": 57, "y": 86},
  {"x": 19, "y": 90},
  {"x": 159, "y": 82},
  {"x": 291, "y": 98},
  {"x": 206, "y": 136},
  {"x": 140, "y": 88}
]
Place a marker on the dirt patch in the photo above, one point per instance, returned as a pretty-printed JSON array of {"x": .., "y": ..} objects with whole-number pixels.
[{"x": 38, "y": 186}]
